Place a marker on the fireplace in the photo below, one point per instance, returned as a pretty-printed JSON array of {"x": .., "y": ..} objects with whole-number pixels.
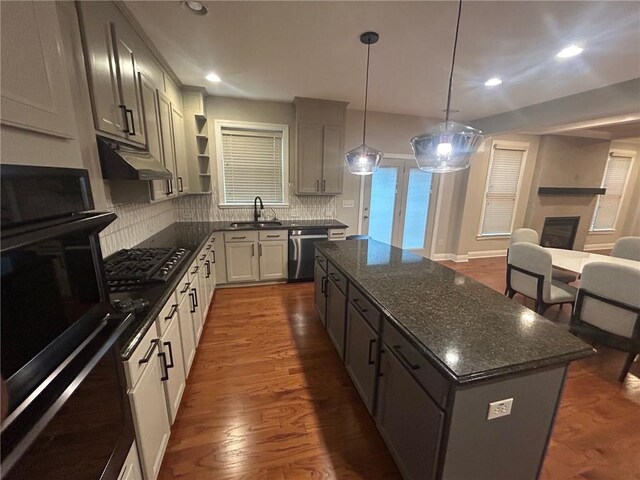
[{"x": 559, "y": 232}]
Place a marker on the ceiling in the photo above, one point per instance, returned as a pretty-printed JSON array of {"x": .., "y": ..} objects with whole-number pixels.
[{"x": 279, "y": 50}]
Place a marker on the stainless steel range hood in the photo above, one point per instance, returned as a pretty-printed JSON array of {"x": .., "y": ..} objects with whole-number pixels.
[{"x": 120, "y": 162}]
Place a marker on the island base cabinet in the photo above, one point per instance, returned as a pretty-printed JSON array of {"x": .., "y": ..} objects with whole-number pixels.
[
  {"x": 408, "y": 420},
  {"x": 150, "y": 415},
  {"x": 336, "y": 315},
  {"x": 320, "y": 281},
  {"x": 361, "y": 347}
]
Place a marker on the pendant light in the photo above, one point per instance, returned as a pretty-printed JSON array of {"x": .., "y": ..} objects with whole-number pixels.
[
  {"x": 364, "y": 160},
  {"x": 448, "y": 146}
]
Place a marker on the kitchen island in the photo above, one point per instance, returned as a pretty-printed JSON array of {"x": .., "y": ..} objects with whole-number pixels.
[{"x": 463, "y": 383}]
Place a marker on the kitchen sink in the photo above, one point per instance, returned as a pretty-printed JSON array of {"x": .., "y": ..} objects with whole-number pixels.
[{"x": 265, "y": 224}]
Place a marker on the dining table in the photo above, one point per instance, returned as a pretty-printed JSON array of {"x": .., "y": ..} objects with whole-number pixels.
[{"x": 574, "y": 260}]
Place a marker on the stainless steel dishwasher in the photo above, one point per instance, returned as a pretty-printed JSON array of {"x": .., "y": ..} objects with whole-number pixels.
[{"x": 301, "y": 252}]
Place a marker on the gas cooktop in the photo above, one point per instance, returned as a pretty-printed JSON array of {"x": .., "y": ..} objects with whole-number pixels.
[{"x": 137, "y": 268}]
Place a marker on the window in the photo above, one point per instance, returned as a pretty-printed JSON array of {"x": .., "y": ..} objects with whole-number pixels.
[
  {"x": 616, "y": 174},
  {"x": 252, "y": 161},
  {"x": 501, "y": 192}
]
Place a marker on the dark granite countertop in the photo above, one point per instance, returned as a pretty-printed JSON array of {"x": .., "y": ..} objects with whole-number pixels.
[
  {"x": 192, "y": 236},
  {"x": 469, "y": 331}
]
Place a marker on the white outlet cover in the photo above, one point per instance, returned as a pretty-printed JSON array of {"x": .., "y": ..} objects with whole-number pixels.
[
  {"x": 348, "y": 203},
  {"x": 501, "y": 408}
]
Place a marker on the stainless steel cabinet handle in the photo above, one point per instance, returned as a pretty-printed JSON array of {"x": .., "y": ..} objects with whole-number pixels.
[{"x": 149, "y": 352}]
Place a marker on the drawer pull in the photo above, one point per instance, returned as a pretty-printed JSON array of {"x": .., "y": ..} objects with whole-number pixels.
[
  {"x": 319, "y": 259},
  {"x": 214, "y": 256},
  {"x": 168, "y": 345},
  {"x": 203, "y": 257},
  {"x": 172, "y": 312},
  {"x": 335, "y": 277},
  {"x": 404, "y": 359},
  {"x": 356, "y": 302},
  {"x": 323, "y": 285},
  {"x": 149, "y": 353},
  {"x": 238, "y": 238},
  {"x": 165, "y": 373},
  {"x": 195, "y": 297},
  {"x": 195, "y": 270},
  {"x": 208, "y": 247},
  {"x": 273, "y": 236},
  {"x": 371, "y": 343},
  {"x": 186, "y": 287}
]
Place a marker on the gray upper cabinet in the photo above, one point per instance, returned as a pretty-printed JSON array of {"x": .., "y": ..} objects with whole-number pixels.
[
  {"x": 110, "y": 48},
  {"x": 166, "y": 131},
  {"x": 320, "y": 146},
  {"x": 35, "y": 88},
  {"x": 159, "y": 188},
  {"x": 180, "y": 152}
]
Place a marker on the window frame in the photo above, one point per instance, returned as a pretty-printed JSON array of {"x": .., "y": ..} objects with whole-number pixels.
[
  {"x": 612, "y": 153},
  {"x": 219, "y": 125},
  {"x": 506, "y": 145}
]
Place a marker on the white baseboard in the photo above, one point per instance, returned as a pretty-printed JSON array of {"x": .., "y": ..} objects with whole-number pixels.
[
  {"x": 488, "y": 253},
  {"x": 437, "y": 257},
  {"x": 598, "y": 246}
]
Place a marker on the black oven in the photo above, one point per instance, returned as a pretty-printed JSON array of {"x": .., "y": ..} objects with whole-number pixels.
[{"x": 69, "y": 416}]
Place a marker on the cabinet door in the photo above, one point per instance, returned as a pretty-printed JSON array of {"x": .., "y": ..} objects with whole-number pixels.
[
  {"x": 152, "y": 132},
  {"x": 195, "y": 297},
  {"x": 361, "y": 347},
  {"x": 166, "y": 134},
  {"x": 211, "y": 275},
  {"x": 180, "y": 151},
  {"x": 320, "y": 281},
  {"x": 204, "y": 295},
  {"x": 187, "y": 337},
  {"x": 219, "y": 259},
  {"x": 124, "y": 40},
  {"x": 409, "y": 421},
  {"x": 97, "y": 33},
  {"x": 309, "y": 158},
  {"x": 332, "y": 159},
  {"x": 242, "y": 262},
  {"x": 273, "y": 260},
  {"x": 336, "y": 315},
  {"x": 174, "y": 386},
  {"x": 151, "y": 418},
  {"x": 35, "y": 90},
  {"x": 131, "y": 468}
]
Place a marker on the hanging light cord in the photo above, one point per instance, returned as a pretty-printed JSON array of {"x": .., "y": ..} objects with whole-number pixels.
[
  {"x": 453, "y": 61},
  {"x": 366, "y": 96}
]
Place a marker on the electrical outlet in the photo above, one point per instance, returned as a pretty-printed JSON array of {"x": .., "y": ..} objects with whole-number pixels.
[
  {"x": 500, "y": 408},
  {"x": 187, "y": 214},
  {"x": 348, "y": 204}
]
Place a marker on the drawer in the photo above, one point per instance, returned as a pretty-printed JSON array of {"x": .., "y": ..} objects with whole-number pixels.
[
  {"x": 416, "y": 364},
  {"x": 194, "y": 268},
  {"x": 140, "y": 357},
  {"x": 365, "y": 308},
  {"x": 167, "y": 314},
  {"x": 274, "y": 235},
  {"x": 243, "y": 236},
  {"x": 321, "y": 260},
  {"x": 202, "y": 256},
  {"x": 183, "y": 288},
  {"x": 339, "y": 279},
  {"x": 337, "y": 233}
]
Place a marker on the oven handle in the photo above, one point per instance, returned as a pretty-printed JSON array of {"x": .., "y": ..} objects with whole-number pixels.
[{"x": 19, "y": 430}]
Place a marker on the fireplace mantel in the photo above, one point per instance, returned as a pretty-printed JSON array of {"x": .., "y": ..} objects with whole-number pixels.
[{"x": 571, "y": 191}]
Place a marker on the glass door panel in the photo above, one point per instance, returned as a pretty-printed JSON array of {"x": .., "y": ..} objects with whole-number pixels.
[
  {"x": 416, "y": 209},
  {"x": 383, "y": 201}
]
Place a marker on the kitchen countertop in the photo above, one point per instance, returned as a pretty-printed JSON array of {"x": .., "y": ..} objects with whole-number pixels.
[
  {"x": 469, "y": 331},
  {"x": 192, "y": 236}
]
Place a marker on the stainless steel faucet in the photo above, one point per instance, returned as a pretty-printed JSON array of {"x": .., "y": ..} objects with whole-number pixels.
[{"x": 256, "y": 213}]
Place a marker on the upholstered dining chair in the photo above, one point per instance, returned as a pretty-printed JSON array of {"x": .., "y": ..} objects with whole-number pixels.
[
  {"x": 528, "y": 235},
  {"x": 607, "y": 309},
  {"x": 627, "y": 247},
  {"x": 529, "y": 274}
]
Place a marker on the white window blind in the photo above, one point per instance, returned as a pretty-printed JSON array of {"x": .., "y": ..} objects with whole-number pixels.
[
  {"x": 608, "y": 205},
  {"x": 252, "y": 165},
  {"x": 505, "y": 169}
]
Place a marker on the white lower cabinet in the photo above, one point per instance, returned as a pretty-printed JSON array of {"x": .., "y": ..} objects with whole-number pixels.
[
  {"x": 171, "y": 346},
  {"x": 273, "y": 260},
  {"x": 149, "y": 407},
  {"x": 187, "y": 337},
  {"x": 242, "y": 262},
  {"x": 195, "y": 299},
  {"x": 131, "y": 469}
]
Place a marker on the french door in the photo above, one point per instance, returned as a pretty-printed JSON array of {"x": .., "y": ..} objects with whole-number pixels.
[{"x": 397, "y": 205}]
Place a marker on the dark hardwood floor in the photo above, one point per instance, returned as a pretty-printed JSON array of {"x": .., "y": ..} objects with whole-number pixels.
[{"x": 268, "y": 398}]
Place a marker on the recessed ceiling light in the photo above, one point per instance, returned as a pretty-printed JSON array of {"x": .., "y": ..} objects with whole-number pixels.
[
  {"x": 493, "y": 82},
  {"x": 570, "y": 51},
  {"x": 212, "y": 77},
  {"x": 197, "y": 8}
]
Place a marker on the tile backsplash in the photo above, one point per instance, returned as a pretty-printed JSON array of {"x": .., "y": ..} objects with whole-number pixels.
[{"x": 135, "y": 223}]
